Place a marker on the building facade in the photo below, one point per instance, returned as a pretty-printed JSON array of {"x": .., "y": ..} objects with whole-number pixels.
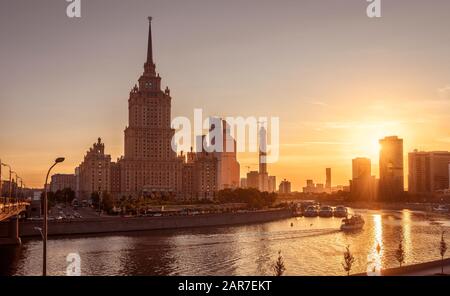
[
  {"x": 63, "y": 181},
  {"x": 150, "y": 165},
  {"x": 285, "y": 187},
  {"x": 391, "y": 184},
  {"x": 93, "y": 174},
  {"x": 428, "y": 172},
  {"x": 363, "y": 185}
]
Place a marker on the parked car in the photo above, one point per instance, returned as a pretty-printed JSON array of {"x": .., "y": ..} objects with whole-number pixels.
[
  {"x": 311, "y": 211},
  {"x": 341, "y": 212},
  {"x": 326, "y": 211}
]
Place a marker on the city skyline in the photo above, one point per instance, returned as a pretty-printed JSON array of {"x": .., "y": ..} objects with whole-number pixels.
[{"x": 329, "y": 122}]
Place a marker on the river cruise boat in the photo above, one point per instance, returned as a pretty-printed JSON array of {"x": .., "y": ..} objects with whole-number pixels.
[{"x": 355, "y": 222}]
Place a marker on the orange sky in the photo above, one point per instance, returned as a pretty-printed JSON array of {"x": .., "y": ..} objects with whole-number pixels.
[{"x": 337, "y": 80}]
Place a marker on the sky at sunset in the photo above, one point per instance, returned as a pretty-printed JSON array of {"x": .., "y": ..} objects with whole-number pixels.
[{"x": 338, "y": 80}]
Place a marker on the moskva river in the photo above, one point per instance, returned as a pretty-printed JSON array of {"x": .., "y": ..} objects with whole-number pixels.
[{"x": 309, "y": 246}]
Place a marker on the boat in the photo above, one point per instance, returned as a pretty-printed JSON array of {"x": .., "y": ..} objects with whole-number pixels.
[
  {"x": 440, "y": 209},
  {"x": 355, "y": 222},
  {"x": 311, "y": 211},
  {"x": 326, "y": 211},
  {"x": 340, "y": 212}
]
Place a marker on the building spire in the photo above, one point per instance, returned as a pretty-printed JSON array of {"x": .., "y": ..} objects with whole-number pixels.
[{"x": 150, "y": 46}]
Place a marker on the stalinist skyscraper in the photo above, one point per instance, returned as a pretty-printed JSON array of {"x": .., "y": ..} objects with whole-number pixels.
[{"x": 149, "y": 164}]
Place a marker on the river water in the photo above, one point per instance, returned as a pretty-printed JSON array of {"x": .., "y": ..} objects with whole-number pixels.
[{"x": 310, "y": 246}]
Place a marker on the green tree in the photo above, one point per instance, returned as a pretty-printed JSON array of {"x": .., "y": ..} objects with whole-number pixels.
[
  {"x": 400, "y": 254},
  {"x": 278, "y": 267},
  {"x": 107, "y": 202},
  {"x": 95, "y": 197},
  {"x": 442, "y": 249},
  {"x": 348, "y": 260}
]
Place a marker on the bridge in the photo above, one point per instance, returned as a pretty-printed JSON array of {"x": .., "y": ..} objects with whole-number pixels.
[{"x": 10, "y": 209}]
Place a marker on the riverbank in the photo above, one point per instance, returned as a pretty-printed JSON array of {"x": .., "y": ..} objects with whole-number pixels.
[
  {"x": 105, "y": 225},
  {"x": 422, "y": 269}
]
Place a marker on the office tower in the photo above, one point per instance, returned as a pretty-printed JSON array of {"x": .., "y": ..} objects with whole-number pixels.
[
  {"x": 253, "y": 180},
  {"x": 328, "y": 180},
  {"x": 428, "y": 172},
  {"x": 285, "y": 187},
  {"x": 228, "y": 168},
  {"x": 391, "y": 168},
  {"x": 63, "y": 181},
  {"x": 363, "y": 186},
  {"x": 272, "y": 184},
  {"x": 361, "y": 168},
  {"x": 244, "y": 183}
]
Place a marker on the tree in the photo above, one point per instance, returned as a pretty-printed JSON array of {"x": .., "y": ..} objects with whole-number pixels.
[
  {"x": 95, "y": 196},
  {"x": 348, "y": 260},
  {"x": 107, "y": 202},
  {"x": 400, "y": 254},
  {"x": 442, "y": 249},
  {"x": 279, "y": 267}
]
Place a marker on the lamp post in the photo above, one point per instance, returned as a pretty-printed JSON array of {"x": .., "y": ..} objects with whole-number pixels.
[
  {"x": 10, "y": 181},
  {"x": 19, "y": 196},
  {"x": 45, "y": 224}
]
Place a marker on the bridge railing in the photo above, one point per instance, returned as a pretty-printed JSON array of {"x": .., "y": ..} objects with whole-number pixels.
[{"x": 11, "y": 204}]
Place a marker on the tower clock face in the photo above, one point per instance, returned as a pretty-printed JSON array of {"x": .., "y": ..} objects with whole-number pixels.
[{"x": 148, "y": 84}]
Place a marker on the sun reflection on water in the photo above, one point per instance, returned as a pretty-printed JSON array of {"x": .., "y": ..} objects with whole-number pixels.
[{"x": 374, "y": 262}]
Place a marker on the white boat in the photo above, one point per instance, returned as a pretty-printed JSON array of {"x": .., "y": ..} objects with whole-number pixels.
[
  {"x": 440, "y": 209},
  {"x": 353, "y": 223}
]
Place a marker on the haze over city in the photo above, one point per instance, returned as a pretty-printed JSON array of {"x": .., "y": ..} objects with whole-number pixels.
[{"x": 338, "y": 80}]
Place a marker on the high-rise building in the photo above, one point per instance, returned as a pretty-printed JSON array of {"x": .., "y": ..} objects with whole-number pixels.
[
  {"x": 428, "y": 172},
  {"x": 253, "y": 179},
  {"x": 361, "y": 168},
  {"x": 93, "y": 174},
  {"x": 363, "y": 186},
  {"x": 285, "y": 187},
  {"x": 149, "y": 164},
  {"x": 328, "y": 180},
  {"x": 263, "y": 175},
  {"x": 63, "y": 181},
  {"x": 391, "y": 168},
  {"x": 272, "y": 184},
  {"x": 244, "y": 183},
  {"x": 228, "y": 168}
]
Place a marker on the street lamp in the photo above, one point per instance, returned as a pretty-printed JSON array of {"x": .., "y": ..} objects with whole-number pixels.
[
  {"x": 10, "y": 181},
  {"x": 45, "y": 224}
]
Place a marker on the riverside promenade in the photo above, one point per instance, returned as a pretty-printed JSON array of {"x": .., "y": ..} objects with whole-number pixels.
[
  {"x": 431, "y": 268},
  {"x": 105, "y": 225}
]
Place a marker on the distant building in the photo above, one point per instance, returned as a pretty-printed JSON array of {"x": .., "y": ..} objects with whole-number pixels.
[
  {"x": 63, "y": 181},
  {"x": 94, "y": 172},
  {"x": 244, "y": 183},
  {"x": 199, "y": 176},
  {"x": 272, "y": 184},
  {"x": 428, "y": 172},
  {"x": 363, "y": 186},
  {"x": 328, "y": 178},
  {"x": 285, "y": 187},
  {"x": 228, "y": 168},
  {"x": 391, "y": 168},
  {"x": 253, "y": 179}
]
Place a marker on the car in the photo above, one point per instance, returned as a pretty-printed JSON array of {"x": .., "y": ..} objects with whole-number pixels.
[
  {"x": 326, "y": 211},
  {"x": 311, "y": 211},
  {"x": 341, "y": 212}
]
